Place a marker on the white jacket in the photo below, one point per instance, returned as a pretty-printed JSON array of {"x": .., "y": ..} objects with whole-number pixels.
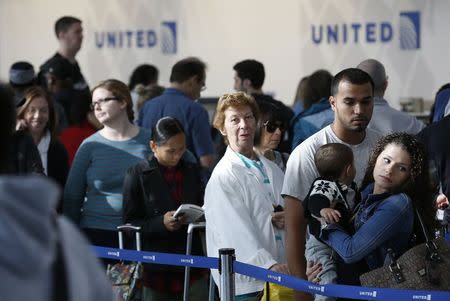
[{"x": 238, "y": 207}]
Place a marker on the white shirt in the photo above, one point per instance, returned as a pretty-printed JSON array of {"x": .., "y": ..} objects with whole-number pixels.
[
  {"x": 238, "y": 208},
  {"x": 301, "y": 170},
  {"x": 43, "y": 149}
]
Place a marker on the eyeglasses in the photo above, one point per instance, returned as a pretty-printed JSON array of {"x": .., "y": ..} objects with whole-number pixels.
[
  {"x": 273, "y": 126},
  {"x": 101, "y": 101}
]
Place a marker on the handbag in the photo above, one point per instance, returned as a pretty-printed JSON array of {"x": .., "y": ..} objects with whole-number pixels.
[
  {"x": 423, "y": 267},
  {"x": 276, "y": 292},
  {"x": 126, "y": 278}
]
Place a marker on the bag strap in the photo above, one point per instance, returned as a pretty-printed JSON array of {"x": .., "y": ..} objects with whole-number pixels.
[
  {"x": 422, "y": 226},
  {"x": 394, "y": 267},
  {"x": 432, "y": 254}
]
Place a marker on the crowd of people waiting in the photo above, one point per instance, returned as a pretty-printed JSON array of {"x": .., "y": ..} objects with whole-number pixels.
[{"x": 320, "y": 191}]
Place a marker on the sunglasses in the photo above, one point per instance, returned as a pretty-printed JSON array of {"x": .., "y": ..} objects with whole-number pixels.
[{"x": 273, "y": 126}]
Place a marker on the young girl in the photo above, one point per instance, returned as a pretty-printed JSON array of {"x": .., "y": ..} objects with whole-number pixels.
[
  {"x": 396, "y": 182},
  {"x": 152, "y": 192}
]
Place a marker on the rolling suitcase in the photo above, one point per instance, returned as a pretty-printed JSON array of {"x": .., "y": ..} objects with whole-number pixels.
[{"x": 126, "y": 277}]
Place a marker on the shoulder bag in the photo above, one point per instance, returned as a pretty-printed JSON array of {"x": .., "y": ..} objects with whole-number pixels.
[{"x": 423, "y": 267}]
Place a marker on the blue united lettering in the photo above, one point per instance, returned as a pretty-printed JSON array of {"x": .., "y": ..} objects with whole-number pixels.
[
  {"x": 344, "y": 33},
  {"x": 126, "y": 39}
]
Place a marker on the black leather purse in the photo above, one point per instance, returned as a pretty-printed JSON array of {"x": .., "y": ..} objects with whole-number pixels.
[{"x": 423, "y": 267}]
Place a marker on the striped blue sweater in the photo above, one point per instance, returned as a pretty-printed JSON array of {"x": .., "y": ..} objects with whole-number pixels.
[{"x": 93, "y": 191}]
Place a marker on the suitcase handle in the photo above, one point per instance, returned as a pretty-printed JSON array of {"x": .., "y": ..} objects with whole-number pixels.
[{"x": 130, "y": 228}]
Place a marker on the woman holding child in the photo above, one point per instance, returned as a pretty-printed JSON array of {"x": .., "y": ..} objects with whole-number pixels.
[{"x": 395, "y": 183}]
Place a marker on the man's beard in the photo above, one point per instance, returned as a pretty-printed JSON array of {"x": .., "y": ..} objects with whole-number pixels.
[{"x": 359, "y": 129}]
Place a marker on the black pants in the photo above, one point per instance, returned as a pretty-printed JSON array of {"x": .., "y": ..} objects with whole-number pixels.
[{"x": 103, "y": 238}]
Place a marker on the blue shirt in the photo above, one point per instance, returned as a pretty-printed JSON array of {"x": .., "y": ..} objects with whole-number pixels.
[
  {"x": 382, "y": 221},
  {"x": 311, "y": 120},
  {"x": 93, "y": 192},
  {"x": 192, "y": 116}
]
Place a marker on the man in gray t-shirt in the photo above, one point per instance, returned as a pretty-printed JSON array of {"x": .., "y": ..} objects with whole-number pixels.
[{"x": 352, "y": 103}]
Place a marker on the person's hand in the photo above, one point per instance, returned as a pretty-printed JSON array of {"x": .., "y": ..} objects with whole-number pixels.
[
  {"x": 171, "y": 223},
  {"x": 331, "y": 216},
  {"x": 442, "y": 201},
  {"x": 21, "y": 125},
  {"x": 280, "y": 268},
  {"x": 313, "y": 270},
  {"x": 278, "y": 219}
]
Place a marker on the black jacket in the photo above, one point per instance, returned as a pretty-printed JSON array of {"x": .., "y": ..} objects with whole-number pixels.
[
  {"x": 146, "y": 199},
  {"x": 58, "y": 166},
  {"x": 435, "y": 139},
  {"x": 24, "y": 155},
  {"x": 57, "y": 162}
]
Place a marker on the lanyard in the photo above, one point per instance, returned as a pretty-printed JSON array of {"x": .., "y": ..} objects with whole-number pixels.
[{"x": 258, "y": 165}]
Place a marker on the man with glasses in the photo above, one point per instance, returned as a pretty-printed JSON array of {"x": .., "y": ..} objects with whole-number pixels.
[{"x": 187, "y": 80}]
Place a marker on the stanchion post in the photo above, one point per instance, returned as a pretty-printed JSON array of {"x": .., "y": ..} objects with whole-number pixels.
[{"x": 226, "y": 271}]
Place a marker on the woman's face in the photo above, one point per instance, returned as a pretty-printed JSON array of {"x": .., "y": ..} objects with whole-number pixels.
[
  {"x": 170, "y": 153},
  {"x": 106, "y": 106},
  {"x": 239, "y": 128},
  {"x": 271, "y": 133},
  {"x": 37, "y": 115},
  {"x": 392, "y": 169}
]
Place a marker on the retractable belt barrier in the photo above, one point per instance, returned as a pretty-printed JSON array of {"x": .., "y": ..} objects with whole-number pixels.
[{"x": 332, "y": 290}]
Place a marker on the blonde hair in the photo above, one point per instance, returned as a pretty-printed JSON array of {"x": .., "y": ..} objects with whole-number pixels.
[{"x": 146, "y": 93}]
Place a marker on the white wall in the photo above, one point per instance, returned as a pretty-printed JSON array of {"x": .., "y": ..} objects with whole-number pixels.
[{"x": 278, "y": 33}]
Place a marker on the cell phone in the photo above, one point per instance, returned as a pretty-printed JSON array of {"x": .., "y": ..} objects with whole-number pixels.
[{"x": 278, "y": 208}]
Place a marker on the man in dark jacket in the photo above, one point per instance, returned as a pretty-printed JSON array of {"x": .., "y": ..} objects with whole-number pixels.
[
  {"x": 249, "y": 78},
  {"x": 69, "y": 32},
  {"x": 435, "y": 139}
]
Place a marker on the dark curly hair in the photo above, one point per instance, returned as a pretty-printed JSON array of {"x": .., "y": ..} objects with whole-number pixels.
[{"x": 418, "y": 186}]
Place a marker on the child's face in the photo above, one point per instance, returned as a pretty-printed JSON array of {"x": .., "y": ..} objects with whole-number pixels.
[{"x": 392, "y": 169}]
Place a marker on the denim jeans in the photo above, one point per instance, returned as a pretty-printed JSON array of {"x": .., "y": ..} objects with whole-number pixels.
[{"x": 317, "y": 251}]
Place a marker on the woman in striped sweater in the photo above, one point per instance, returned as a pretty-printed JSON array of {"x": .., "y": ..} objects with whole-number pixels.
[{"x": 93, "y": 192}]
